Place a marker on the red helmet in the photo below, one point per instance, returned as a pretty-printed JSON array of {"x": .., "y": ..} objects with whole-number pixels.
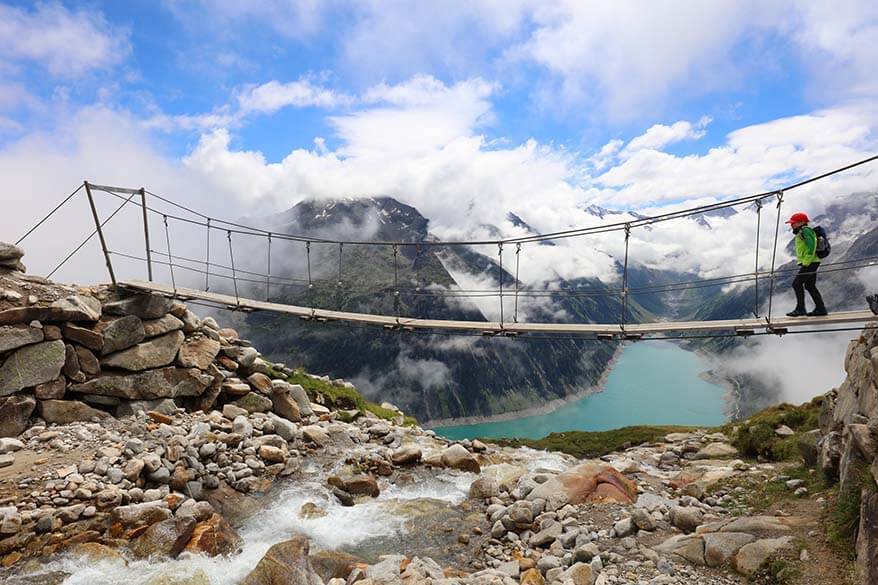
[{"x": 798, "y": 217}]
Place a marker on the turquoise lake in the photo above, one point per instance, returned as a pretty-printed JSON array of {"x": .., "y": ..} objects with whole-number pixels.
[{"x": 655, "y": 382}]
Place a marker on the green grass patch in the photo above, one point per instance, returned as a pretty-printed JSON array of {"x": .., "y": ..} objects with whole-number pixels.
[
  {"x": 758, "y": 496},
  {"x": 583, "y": 444},
  {"x": 844, "y": 514},
  {"x": 755, "y": 437},
  {"x": 341, "y": 397}
]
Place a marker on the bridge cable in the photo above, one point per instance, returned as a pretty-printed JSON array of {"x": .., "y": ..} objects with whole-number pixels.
[
  {"x": 756, "y": 269},
  {"x": 339, "y": 283},
  {"x": 50, "y": 214},
  {"x": 539, "y": 237},
  {"x": 268, "y": 276},
  {"x": 86, "y": 240},
  {"x": 515, "y": 305},
  {"x": 625, "y": 278},
  {"x": 500, "y": 253},
  {"x": 170, "y": 258},
  {"x": 310, "y": 283},
  {"x": 774, "y": 253},
  {"x": 396, "y": 281},
  {"x": 234, "y": 273},
  {"x": 207, "y": 270}
]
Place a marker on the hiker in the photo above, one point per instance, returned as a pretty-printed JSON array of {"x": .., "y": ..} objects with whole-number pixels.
[{"x": 809, "y": 262}]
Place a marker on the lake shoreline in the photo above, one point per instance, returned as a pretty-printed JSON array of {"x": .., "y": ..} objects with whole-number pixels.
[
  {"x": 712, "y": 376},
  {"x": 546, "y": 408}
]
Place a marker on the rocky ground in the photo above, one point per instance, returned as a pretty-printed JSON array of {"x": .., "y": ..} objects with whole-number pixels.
[
  {"x": 137, "y": 438},
  {"x": 658, "y": 513}
]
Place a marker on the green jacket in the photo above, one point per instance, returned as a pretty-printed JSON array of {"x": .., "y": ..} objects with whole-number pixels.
[{"x": 806, "y": 246}]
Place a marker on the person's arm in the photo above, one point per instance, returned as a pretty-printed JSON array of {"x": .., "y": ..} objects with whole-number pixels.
[{"x": 810, "y": 238}]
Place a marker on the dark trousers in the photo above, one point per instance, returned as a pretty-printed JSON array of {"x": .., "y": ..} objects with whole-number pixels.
[{"x": 806, "y": 279}]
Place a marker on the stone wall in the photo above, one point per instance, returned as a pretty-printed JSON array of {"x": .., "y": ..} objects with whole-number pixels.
[
  {"x": 82, "y": 354},
  {"x": 849, "y": 444}
]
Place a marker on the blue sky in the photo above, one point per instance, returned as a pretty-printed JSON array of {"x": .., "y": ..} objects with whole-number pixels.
[{"x": 467, "y": 110}]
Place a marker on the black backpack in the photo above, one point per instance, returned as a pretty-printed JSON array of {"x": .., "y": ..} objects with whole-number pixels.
[{"x": 823, "y": 245}]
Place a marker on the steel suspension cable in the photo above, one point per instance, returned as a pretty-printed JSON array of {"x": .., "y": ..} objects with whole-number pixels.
[
  {"x": 396, "y": 280},
  {"x": 310, "y": 283},
  {"x": 88, "y": 239},
  {"x": 500, "y": 253},
  {"x": 774, "y": 253},
  {"x": 50, "y": 214},
  {"x": 339, "y": 283},
  {"x": 234, "y": 274},
  {"x": 207, "y": 271},
  {"x": 515, "y": 305},
  {"x": 625, "y": 277},
  {"x": 170, "y": 257},
  {"x": 618, "y": 226},
  {"x": 268, "y": 268},
  {"x": 756, "y": 268}
]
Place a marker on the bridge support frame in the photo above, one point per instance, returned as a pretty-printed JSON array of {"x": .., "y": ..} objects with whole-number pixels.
[{"x": 94, "y": 213}]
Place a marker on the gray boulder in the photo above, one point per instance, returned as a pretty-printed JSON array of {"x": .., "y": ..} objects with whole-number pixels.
[
  {"x": 154, "y": 353},
  {"x": 752, "y": 556},
  {"x": 32, "y": 365},
  {"x": 198, "y": 352},
  {"x": 143, "y": 305},
  {"x": 161, "y": 383},
  {"x": 88, "y": 362},
  {"x": 72, "y": 308},
  {"x": 286, "y": 562},
  {"x": 15, "y": 336},
  {"x": 720, "y": 547},
  {"x": 121, "y": 333},
  {"x": 83, "y": 335},
  {"x": 686, "y": 519},
  {"x": 301, "y": 397},
  {"x": 253, "y": 402},
  {"x": 162, "y": 325},
  {"x": 64, "y": 412},
  {"x": 10, "y": 252},
  {"x": 14, "y": 413}
]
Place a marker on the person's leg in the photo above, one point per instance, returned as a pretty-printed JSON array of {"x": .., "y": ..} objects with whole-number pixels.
[
  {"x": 810, "y": 283},
  {"x": 799, "y": 289},
  {"x": 873, "y": 303}
]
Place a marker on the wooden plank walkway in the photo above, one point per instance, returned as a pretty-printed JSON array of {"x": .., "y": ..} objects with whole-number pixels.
[{"x": 777, "y": 324}]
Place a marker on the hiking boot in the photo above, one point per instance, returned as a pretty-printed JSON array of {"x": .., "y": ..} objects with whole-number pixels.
[
  {"x": 819, "y": 312},
  {"x": 797, "y": 313},
  {"x": 873, "y": 303}
]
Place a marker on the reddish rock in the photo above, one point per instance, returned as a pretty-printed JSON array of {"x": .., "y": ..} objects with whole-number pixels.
[
  {"x": 284, "y": 563},
  {"x": 591, "y": 481},
  {"x": 213, "y": 537}
]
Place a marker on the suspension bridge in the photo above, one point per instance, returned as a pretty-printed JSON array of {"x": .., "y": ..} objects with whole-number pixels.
[{"x": 509, "y": 291}]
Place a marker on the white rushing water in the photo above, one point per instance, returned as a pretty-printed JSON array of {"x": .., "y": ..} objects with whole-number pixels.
[{"x": 341, "y": 527}]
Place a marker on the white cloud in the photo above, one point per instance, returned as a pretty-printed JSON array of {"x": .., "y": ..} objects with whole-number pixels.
[
  {"x": 429, "y": 153},
  {"x": 799, "y": 366},
  {"x": 265, "y": 98},
  {"x": 837, "y": 40},
  {"x": 107, "y": 147},
  {"x": 424, "y": 114},
  {"x": 658, "y": 136},
  {"x": 67, "y": 43},
  {"x": 270, "y": 97}
]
